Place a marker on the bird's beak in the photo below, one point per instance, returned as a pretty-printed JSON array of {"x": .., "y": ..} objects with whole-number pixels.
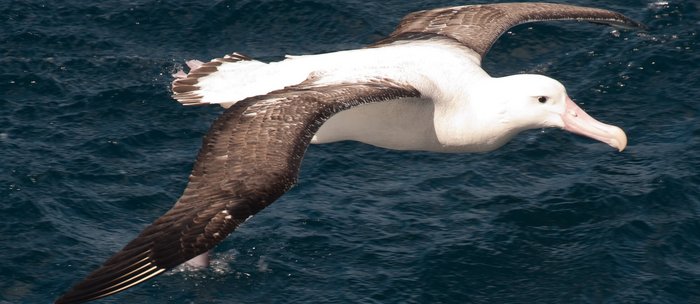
[{"x": 579, "y": 122}]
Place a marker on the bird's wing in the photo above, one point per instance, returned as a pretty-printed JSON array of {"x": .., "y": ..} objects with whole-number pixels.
[
  {"x": 479, "y": 26},
  {"x": 249, "y": 158}
]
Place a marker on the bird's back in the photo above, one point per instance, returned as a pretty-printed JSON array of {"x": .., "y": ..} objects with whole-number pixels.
[{"x": 405, "y": 124}]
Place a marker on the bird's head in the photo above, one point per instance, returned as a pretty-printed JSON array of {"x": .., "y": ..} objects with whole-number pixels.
[{"x": 533, "y": 101}]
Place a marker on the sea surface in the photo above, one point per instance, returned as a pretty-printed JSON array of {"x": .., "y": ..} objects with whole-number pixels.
[{"x": 93, "y": 148}]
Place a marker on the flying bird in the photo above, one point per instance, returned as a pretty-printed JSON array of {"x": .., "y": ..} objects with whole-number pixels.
[{"x": 420, "y": 88}]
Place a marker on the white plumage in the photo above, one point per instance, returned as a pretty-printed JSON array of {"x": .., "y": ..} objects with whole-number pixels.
[{"x": 462, "y": 108}]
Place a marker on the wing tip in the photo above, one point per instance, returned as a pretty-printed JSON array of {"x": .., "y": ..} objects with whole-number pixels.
[
  {"x": 125, "y": 269},
  {"x": 85, "y": 291},
  {"x": 631, "y": 24}
]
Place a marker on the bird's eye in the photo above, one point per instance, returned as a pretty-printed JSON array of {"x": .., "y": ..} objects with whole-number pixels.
[{"x": 542, "y": 99}]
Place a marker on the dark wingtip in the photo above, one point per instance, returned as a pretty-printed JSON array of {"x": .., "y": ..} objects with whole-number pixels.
[
  {"x": 627, "y": 23},
  {"x": 93, "y": 289},
  {"x": 631, "y": 24}
]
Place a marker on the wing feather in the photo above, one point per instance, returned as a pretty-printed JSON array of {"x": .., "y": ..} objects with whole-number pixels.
[
  {"x": 479, "y": 26},
  {"x": 249, "y": 158}
]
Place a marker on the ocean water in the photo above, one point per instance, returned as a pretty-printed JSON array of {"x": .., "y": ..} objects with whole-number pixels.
[{"x": 93, "y": 148}]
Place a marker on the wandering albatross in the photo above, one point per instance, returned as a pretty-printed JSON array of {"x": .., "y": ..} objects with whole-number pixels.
[{"x": 421, "y": 88}]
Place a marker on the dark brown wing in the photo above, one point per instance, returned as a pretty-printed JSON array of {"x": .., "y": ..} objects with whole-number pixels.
[
  {"x": 249, "y": 158},
  {"x": 478, "y": 26}
]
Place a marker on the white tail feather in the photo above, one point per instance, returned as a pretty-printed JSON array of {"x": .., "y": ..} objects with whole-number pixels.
[{"x": 234, "y": 77}]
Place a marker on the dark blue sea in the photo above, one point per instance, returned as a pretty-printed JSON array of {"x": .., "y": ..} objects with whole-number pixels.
[{"x": 93, "y": 148}]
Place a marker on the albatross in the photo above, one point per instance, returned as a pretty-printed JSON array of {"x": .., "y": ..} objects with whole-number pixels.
[{"x": 420, "y": 88}]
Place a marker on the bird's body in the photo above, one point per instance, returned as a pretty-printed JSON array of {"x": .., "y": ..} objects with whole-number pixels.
[
  {"x": 421, "y": 88},
  {"x": 405, "y": 124}
]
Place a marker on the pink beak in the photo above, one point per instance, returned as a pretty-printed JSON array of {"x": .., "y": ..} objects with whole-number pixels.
[{"x": 579, "y": 122}]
